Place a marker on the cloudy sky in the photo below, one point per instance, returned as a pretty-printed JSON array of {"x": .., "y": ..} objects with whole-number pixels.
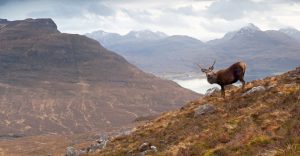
[{"x": 202, "y": 19}]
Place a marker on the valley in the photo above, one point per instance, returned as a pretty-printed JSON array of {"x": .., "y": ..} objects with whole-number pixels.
[
  {"x": 265, "y": 51},
  {"x": 130, "y": 78}
]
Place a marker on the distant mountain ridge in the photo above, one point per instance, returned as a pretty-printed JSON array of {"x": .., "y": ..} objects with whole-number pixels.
[
  {"x": 153, "y": 53},
  {"x": 108, "y": 39},
  {"x": 291, "y": 32},
  {"x": 262, "y": 50}
]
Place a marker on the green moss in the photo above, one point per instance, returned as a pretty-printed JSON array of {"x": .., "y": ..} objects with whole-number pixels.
[
  {"x": 209, "y": 152},
  {"x": 261, "y": 140},
  {"x": 215, "y": 151}
]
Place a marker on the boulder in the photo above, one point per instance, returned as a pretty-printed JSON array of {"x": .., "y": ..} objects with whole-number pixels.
[
  {"x": 71, "y": 151},
  {"x": 204, "y": 109},
  {"x": 211, "y": 91},
  {"x": 101, "y": 143},
  {"x": 153, "y": 148},
  {"x": 146, "y": 148},
  {"x": 254, "y": 89},
  {"x": 98, "y": 145}
]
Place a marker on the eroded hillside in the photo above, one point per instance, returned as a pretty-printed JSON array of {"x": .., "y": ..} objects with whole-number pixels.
[
  {"x": 52, "y": 82},
  {"x": 262, "y": 120}
]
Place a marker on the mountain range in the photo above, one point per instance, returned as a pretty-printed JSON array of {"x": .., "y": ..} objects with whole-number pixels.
[
  {"x": 53, "y": 82},
  {"x": 265, "y": 52}
]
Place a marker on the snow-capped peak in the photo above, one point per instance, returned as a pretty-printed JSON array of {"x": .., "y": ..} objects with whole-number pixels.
[
  {"x": 292, "y": 32},
  {"x": 101, "y": 33},
  {"x": 146, "y": 34},
  {"x": 249, "y": 28},
  {"x": 289, "y": 30}
]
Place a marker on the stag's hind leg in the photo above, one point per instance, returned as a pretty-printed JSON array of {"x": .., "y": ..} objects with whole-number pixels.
[{"x": 243, "y": 83}]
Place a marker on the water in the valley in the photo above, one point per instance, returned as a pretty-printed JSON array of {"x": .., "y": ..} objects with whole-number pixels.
[
  {"x": 196, "y": 85},
  {"x": 200, "y": 85}
]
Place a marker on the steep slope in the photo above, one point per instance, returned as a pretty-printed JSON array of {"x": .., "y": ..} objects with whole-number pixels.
[
  {"x": 52, "y": 82},
  {"x": 262, "y": 120}
]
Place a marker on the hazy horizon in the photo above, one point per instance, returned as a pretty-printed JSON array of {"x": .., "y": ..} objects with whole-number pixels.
[{"x": 202, "y": 19}]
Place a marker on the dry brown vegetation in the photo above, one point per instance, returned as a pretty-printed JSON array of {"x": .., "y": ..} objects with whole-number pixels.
[
  {"x": 261, "y": 123},
  {"x": 54, "y": 82}
]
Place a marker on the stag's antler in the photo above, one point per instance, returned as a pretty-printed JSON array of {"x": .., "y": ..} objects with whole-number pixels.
[
  {"x": 212, "y": 66},
  {"x": 202, "y": 69},
  {"x": 199, "y": 66}
]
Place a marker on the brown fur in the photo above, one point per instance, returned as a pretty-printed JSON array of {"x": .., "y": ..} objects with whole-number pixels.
[{"x": 226, "y": 76}]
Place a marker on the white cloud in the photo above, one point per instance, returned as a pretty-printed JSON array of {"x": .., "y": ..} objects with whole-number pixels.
[
  {"x": 235, "y": 9},
  {"x": 204, "y": 20}
]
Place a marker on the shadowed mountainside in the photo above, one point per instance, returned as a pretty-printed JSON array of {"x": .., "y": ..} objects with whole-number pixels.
[{"x": 52, "y": 82}]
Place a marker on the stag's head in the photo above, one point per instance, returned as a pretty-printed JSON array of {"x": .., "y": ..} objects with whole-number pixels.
[{"x": 210, "y": 74}]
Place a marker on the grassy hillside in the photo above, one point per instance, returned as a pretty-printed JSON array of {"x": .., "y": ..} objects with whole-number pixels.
[{"x": 265, "y": 122}]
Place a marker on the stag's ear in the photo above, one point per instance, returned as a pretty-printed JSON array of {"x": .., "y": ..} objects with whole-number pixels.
[{"x": 203, "y": 70}]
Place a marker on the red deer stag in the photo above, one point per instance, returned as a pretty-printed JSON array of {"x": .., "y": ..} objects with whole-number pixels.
[{"x": 226, "y": 76}]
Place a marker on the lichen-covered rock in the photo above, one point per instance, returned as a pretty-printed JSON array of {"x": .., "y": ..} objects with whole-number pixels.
[
  {"x": 153, "y": 148},
  {"x": 254, "y": 89},
  {"x": 98, "y": 145},
  {"x": 101, "y": 143},
  {"x": 71, "y": 151},
  {"x": 146, "y": 148},
  {"x": 211, "y": 91},
  {"x": 204, "y": 109}
]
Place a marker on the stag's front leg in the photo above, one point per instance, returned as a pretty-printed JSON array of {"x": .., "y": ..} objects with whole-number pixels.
[{"x": 223, "y": 91}]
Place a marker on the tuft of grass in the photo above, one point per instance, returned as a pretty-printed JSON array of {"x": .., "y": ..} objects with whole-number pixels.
[
  {"x": 261, "y": 140},
  {"x": 219, "y": 151},
  {"x": 289, "y": 150}
]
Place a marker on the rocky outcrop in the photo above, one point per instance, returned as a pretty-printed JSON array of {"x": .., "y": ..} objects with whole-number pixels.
[
  {"x": 254, "y": 89},
  {"x": 71, "y": 151},
  {"x": 21, "y": 29},
  {"x": 204, "y": 109},
  {"x": 212, "y": 91},
  {"x": 147, "y": 148}
]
